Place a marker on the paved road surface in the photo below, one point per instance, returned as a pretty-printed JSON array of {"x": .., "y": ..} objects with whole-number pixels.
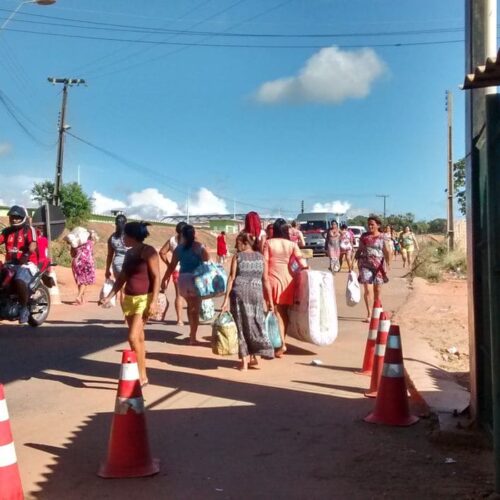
[{"x": 288, "y": 430}]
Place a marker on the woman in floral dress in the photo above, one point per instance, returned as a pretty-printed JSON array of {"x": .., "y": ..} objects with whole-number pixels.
[
  {"x": 83, "y": 267},
  {"x": 245, "y": 296},
  {"x": 370, "y": 256},
  {"x": 332, "y": 246}
]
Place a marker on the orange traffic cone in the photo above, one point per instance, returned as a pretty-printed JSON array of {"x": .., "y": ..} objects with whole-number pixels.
[
  {"x": 371, "y": 340},
  {"x": 10, "y": 480},
  {"x": 378, "y": 361},
  {"x": 391, "y": 405},
  {"x": 129, "y": 454}
]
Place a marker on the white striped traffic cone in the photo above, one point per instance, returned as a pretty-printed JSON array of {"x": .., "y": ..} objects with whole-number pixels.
[
  {"x": 129, "y": 454},
  {"x": 10, "y": 480}
]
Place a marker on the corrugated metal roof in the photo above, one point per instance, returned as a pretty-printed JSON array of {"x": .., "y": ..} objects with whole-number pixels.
[{"x": 484, "y": 76}]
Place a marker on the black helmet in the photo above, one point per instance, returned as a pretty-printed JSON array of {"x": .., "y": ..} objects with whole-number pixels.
[{"x": 19, "y": 213}]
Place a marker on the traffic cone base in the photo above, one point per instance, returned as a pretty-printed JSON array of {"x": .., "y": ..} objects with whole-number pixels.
[
  {"x": 129, "y": 454},
  {"x": 391, "y": 405},
  {"x": 390, "y": 410},
  {"x": 10, "y": 479}
]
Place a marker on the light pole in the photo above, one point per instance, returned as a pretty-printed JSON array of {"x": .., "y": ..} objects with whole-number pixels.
[
  {"x": 385, "y": 196},
  {"x": 14, "y": 12},
  {"x": 63, "y": 127}
]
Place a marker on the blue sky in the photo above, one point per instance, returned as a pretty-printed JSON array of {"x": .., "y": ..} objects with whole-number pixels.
[{"x": 251, "y": 128}]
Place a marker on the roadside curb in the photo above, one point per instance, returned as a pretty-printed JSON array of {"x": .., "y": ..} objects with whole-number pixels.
[{"x": 434, "y": 392}]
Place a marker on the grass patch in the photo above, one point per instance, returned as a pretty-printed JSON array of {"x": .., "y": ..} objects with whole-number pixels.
[
  {"x": 433, "y": 261},
  {"x": 60, "y": 253}
]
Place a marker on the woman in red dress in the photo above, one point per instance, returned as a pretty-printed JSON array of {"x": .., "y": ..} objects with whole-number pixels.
[{"x": 221, "y": 247}]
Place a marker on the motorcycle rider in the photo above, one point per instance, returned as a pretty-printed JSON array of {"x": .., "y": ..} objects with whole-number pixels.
[{"x": 20, "y": 241}]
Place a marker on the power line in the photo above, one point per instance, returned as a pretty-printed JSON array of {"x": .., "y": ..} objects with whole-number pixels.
[
  {"x": 11, "y": 110},
  {"x": 153, "y": 30},
  {"x": 159, "y": 176},
  {"x": 234, "y": 46},
  {"x": 212, "y": 16},
  {"x": 120, "y": 49}
]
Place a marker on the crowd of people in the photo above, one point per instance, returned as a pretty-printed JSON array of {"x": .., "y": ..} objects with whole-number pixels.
[{"x": 261, "y": 273}]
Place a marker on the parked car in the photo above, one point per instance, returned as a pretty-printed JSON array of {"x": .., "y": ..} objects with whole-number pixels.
[
  {"x": 315, "y": 242},
  {"x": 357, "y": 231}
]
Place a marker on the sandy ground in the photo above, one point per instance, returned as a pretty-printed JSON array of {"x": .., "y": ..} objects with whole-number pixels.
[
  {"x": 440, "y": 315},
  {"x": 288, "y": 430}
]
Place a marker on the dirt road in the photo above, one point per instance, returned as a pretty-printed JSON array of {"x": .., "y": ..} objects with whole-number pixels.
[{"x": 287, "y": 430}]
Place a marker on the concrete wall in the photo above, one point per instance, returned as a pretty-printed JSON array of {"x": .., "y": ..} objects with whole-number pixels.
[{"x": 461, "y": 234}]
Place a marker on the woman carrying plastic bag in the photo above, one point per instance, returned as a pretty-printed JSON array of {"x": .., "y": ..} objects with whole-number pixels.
[{"x": 245, "y": 297}]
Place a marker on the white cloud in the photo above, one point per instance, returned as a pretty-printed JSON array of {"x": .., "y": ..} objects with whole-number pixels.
[
  {"x": 16, "y": 190},
  {"x": 5, "y": 148},
  {"x": 104, "y": 205},
  {"x": 206, "y": 202},
  {"x": 336, "y": 207},
  {"x": 330, "y": 76},
  {"x": 150, "y": 204}
]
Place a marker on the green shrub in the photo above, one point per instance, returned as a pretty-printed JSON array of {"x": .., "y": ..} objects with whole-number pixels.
[
  {"x": 433, "y": 259},
  {"x": 60, "y": 253},
  {"x": 455, "y": 261}
]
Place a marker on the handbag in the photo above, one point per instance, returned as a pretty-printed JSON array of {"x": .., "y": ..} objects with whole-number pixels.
[
  {"x": 272, "y": 330},
  {"x": 224, "y": 335},
  {"x": 210, "y": 280}
]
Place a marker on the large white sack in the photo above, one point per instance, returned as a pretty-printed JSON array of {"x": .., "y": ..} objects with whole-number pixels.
[
  {"x": 313, "y": 316},
  {"x": 78, "y": 236}
]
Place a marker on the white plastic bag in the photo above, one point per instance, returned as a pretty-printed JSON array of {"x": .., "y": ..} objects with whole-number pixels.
[
  {"x": 105, "y": 291},
  {"x": 353, "y": 290},
  {"x": 207, "y": 311}
]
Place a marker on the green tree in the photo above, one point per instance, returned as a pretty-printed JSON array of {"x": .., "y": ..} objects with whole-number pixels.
[
  {"x": 75, "y": 204},
  {"x": 400, "y": 221},
  {"x": 359, "y": 220},
  {"x": 438, "y": 226},
  {"x": 421, "y": 227},
  {"x": 459, "y": 184},
  {"x": 43, "y": 192}
]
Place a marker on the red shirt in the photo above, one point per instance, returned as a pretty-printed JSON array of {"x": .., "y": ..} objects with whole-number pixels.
[{"x": 17, "y": 243}]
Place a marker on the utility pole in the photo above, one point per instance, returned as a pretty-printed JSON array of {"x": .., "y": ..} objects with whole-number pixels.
[
  {"x": 449, "y": 108},
  {"x": 385, "y": 196},
  {"x": 302, "y": 207},
  {"x": 62, "y": 129}
]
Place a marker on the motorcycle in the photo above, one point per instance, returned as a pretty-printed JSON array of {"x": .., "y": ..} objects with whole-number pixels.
[{"x": 39, "y": 299}]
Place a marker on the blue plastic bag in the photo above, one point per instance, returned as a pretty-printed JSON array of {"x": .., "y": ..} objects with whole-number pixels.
[
  {"x": 210, "y": 280},
  {"x": 272, "y": 330}
]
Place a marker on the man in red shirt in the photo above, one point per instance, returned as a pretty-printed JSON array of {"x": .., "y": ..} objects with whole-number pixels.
[{"x": 20, "y": 246}]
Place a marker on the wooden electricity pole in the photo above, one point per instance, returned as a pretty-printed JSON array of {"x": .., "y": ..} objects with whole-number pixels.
[
  {"x": 449, "y": 108},
  {"x": 62, "y": 129}
]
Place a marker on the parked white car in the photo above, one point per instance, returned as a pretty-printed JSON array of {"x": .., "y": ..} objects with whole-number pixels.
[{"x": 357, "y": 231}]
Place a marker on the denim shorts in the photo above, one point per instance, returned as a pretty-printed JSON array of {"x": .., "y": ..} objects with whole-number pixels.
[{"x": 23, "y": 274}]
